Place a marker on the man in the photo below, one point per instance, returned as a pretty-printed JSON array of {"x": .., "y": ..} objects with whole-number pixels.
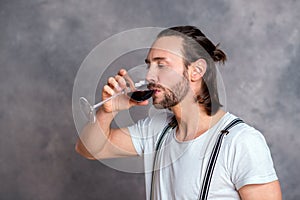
[{"x": 183, "y": 76}]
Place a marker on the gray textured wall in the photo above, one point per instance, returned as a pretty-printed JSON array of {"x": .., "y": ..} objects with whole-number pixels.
[{"x": 43, "y": 42}]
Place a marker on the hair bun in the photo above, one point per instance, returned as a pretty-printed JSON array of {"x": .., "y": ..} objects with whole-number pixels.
[{"x": 219, "y": 55}]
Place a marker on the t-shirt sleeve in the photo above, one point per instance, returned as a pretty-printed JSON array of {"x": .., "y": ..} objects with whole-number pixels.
[
  {"x": 145, "y": 132},
  {"x": 251, "y": 160},
  {"x": 138, "y": 132}
]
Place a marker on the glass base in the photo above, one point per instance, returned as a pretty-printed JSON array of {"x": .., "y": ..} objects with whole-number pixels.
[{"x": 87, "y": 110}]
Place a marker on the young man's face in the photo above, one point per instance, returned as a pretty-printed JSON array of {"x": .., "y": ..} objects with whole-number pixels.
[{"x": 167, "y": 74}]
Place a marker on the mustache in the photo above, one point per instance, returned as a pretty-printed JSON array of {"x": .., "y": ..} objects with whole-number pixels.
[{"x": 152, "y": 86}]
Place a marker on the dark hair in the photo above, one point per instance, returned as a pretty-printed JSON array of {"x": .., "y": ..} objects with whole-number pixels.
[{"x": 195, "y": 46}]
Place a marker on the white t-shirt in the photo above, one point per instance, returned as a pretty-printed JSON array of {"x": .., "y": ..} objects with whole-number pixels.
[{"x": 244, "y": 159}]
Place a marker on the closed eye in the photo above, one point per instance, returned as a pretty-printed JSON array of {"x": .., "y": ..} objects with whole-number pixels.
[{"x": 162, "y": 64}]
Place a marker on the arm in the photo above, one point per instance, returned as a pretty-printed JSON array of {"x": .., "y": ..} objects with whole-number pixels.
[
  {"x": 267, "y": 191},
  {"x": 252, "y": 167},
  {"x": 98, "y": 140}
]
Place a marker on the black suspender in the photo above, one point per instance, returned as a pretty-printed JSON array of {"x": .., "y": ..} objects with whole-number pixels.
[
  {"x": 171, "y": 124},
  {"x": 211, "y": 162},
  {"x": 213, "y": 158}
]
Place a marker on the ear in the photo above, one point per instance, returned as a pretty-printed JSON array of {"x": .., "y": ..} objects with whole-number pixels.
[{"x": 197, "y": 69}]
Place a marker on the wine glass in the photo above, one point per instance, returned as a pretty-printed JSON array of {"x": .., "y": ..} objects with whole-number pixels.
[{"x": 136, "y": 89}]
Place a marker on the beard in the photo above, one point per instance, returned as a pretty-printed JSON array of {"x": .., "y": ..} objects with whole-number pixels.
[{"x": 172, "y": 96}]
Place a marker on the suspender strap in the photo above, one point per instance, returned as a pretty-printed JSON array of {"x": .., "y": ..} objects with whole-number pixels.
[
  {"x": 213, "y": 159},
  {"x": 211, "y": 162},
  {"x": 171, "y": 124}
]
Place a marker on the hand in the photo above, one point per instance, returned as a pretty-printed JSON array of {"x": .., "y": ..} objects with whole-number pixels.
[{"x": 116, "y": 85}]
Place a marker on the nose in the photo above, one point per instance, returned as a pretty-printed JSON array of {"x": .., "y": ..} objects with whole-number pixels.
[{"x": 151, "y": 76}]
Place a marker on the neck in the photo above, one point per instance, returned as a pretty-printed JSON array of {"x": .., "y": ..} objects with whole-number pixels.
[{"x": 193, "y": 120}]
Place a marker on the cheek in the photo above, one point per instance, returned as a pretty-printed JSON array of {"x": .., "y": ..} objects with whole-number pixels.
[{"x": 170, "y": 78}]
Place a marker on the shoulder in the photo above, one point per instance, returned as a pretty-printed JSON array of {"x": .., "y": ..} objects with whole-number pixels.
[
  {"x": 244, "y": 134},
  {"x": 247, "y": 156},
  {"x": 155, "y": 122},
  {"x": 246, "y": 148},
  {"x": 145, "y": 132}
]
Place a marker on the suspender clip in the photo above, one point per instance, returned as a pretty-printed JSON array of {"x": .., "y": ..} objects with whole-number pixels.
[{"x": 225, "y": 132}]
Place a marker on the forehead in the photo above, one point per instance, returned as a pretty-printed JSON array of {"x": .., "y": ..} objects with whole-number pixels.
[{"x": 166, "y": 46}]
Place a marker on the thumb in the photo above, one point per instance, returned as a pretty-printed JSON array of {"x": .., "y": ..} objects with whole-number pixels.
[{"x": 142, "y": 103}]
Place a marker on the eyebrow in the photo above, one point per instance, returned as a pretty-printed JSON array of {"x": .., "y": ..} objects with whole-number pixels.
[{"x": 147, "y": 61}]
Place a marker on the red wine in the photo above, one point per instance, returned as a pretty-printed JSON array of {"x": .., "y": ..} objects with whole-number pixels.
[{"x": 140, "y": 95}]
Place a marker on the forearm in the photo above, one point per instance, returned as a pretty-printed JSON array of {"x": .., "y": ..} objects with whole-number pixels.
[{"x": 94, "y": 136}]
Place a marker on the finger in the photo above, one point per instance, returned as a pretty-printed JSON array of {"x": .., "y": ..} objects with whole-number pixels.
[
  {"x": 113, "y": 83},
  {"x": 121, "y": 81},
  {"x": 108, "y": 90},
  {"x": 129, "y": 81},
  {"x": 142, "y": 103},
  {"x": 122, "y": 72},
  {"x": 127, "y": 78}
]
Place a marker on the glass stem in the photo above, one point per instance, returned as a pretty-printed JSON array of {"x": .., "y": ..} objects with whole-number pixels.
[{"x": 96, "y": 106}]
